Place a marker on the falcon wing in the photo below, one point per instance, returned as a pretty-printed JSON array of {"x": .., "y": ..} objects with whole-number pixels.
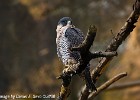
[{"x": 74, "y": 36}]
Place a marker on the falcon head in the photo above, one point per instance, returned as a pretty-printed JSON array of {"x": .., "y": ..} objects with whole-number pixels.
[
  {"x": 65, "y": 21},
  {"x": 63, "y": 24}
]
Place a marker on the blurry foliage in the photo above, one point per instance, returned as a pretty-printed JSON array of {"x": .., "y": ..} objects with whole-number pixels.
[{"x": 28, "y": 60}]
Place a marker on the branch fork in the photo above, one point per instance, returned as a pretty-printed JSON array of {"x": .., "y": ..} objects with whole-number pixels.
[
  {"x": 83, "y": 68},
  {"x": 107, "y": 56},
  {"x": 113, "y": 46}
]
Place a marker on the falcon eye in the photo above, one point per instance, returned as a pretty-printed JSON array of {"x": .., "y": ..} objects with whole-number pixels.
[{"x": 64, "y": 23}]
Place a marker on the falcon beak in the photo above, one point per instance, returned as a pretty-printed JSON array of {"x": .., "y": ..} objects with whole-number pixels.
[{"x": 69, "y": 23}]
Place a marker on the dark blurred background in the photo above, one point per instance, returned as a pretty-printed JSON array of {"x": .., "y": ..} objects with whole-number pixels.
[{"x": 28, "y": 59}]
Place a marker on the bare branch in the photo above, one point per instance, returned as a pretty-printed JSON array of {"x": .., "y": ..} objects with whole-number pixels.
[
  {"x": 113, "y": 46},
  {"x": 85, "y": 46},
  {"x": 103, "y": 54},
  {"x": 118, "y": 39},
  {"x": 106, "y": 85},
  {"x": 123, "y": 85}
]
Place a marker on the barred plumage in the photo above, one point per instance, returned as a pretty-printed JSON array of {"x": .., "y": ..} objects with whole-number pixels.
[{"x": 67, "y": 37}]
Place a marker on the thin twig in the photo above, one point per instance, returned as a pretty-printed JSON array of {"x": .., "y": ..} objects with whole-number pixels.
[
  {"x": 106, "y": 85},
  {"x": 123, "y": 85}
]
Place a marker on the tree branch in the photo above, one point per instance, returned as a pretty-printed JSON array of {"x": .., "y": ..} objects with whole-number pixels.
[
  {"x": 106, "y": 85},
  {"x": 103, "y": 54},
  {"x": 123, "y": 85},
  {"x": 85, "y": 46},
  {"x": 113, "y": 46}
]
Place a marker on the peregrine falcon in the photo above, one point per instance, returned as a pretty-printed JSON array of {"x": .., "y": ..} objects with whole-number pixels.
[{"x": 67, "y": 37}]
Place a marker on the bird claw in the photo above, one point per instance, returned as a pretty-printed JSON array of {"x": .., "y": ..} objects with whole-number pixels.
[{"x": 67, "y": 71}]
